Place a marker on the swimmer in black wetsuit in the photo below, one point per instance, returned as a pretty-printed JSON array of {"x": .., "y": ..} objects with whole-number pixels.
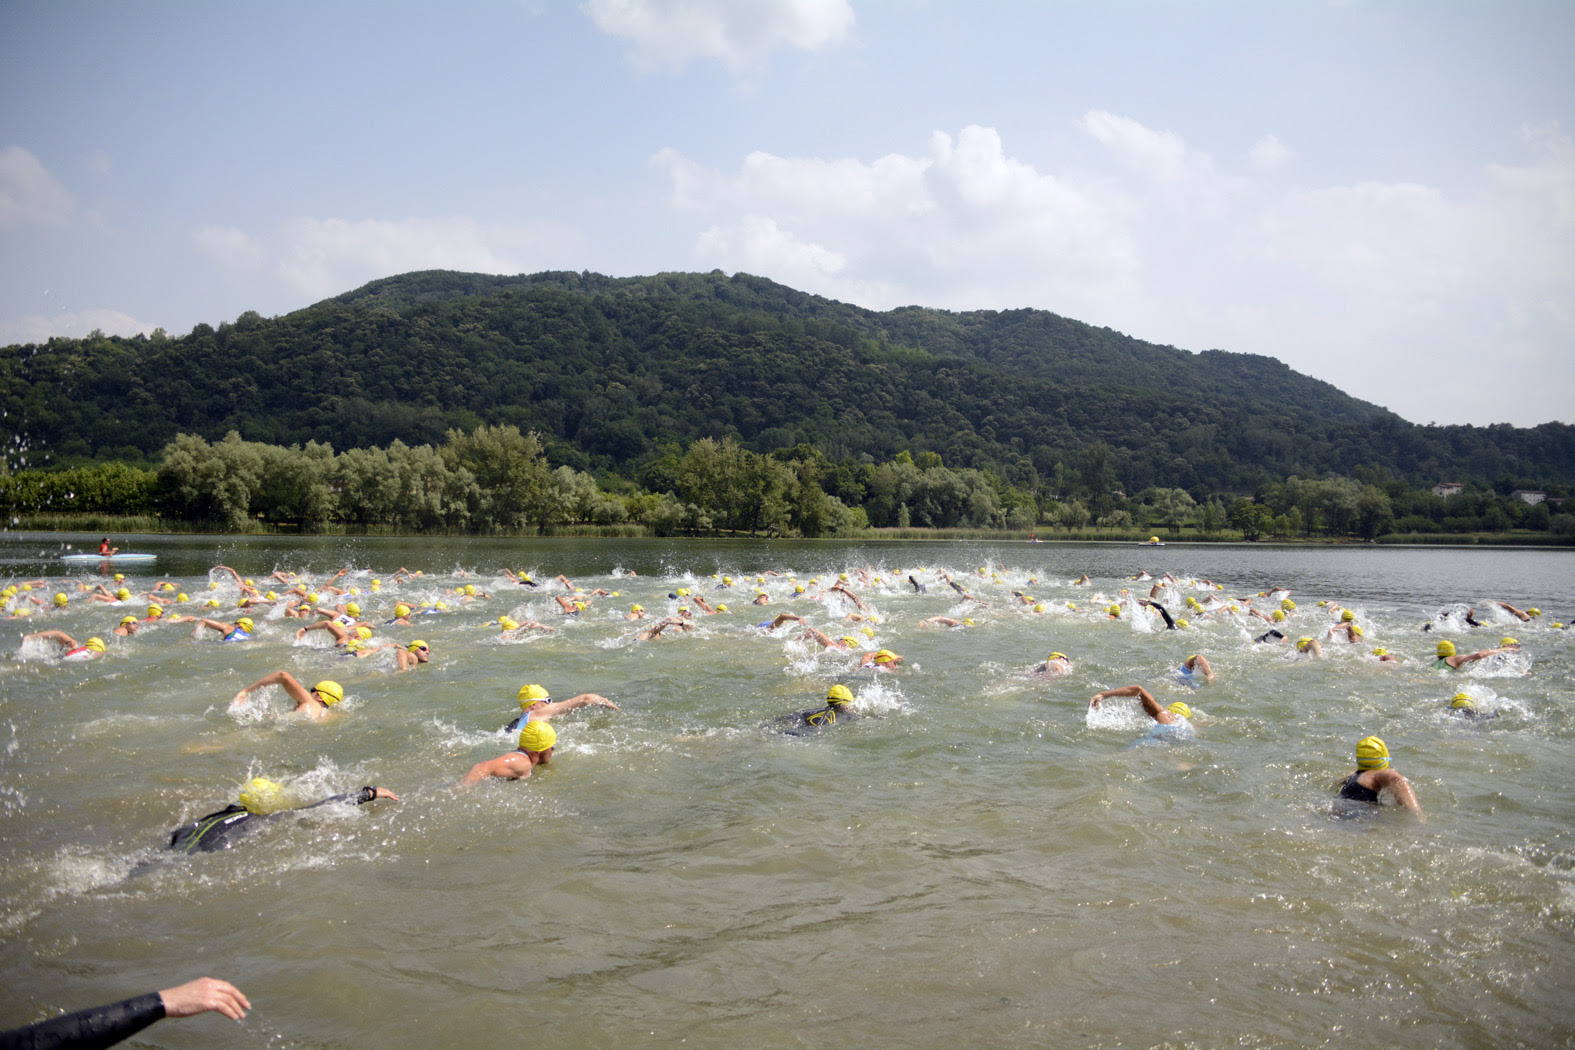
[
  {"x": 1170, "y": 624},
  {"x": 100, "y": 1026},
  {"x": 219, "y": 830},
  {"x": 1374, "y": 775},
  {"x": 839, "y": 701}
]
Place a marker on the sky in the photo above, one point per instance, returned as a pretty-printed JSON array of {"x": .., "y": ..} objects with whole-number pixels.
[{"x": 1379, "y": 194}]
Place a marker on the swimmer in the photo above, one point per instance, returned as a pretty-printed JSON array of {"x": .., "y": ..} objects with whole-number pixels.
[
  {"x": 406, "y": 657},
  {"x": 1347, "y": 626},
  {"x": 342, "y": 634},
  {"x": 782, "y": 618},
  {"x": 703, "y": 606},
  {"x": 1192, "y": 665},
  {"x": 1509, "y": 644},
  {"x": 1082, "y": 581},
  {"x": 1055, "y": 664},
  {"x": 918, "y": 588},
  {"x": 761, "y": 598},
  {"x": 636, "y": 612},
  {"x": 1447, "y": 659},
  {"x": 670, "y": 623},
  {"x": 536, "y": 703},
  {"x": 88, "y": 650},
  {"x": 513, "y": 630},
  {"x": 881, "y": 660},
  {"x": 522, "y": 578},
  {"x": 314, "y": 702},
  {"x": 1307, "y": 645},
  {"x": 220, "y": 830},
  {"x": 1384, "y": 656},
  {"x": 838, "y": 709},
  {"x": 1517, "y": 613},
  {"x": 570, "y": 608},
  {"x": 847, "y": 641},
  {"x": 239, "y": 631},
  {"x": 840, "y": 588},
  {"x": 1177, "y": 717},
  {"x": 107, "y": 1025},
  {"x": 536, "y": 742},
  {"x": 1374, "y": 775},
  {"x": 401, "y": 616},
  {"x": 1462, "y": 706},
  {"x": 944, "y": 621},
  {"x": 1170, "y": 624},
  {"x": 128, "y": 626}
]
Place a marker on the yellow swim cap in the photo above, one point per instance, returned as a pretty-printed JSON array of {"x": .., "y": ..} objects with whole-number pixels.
[
  {"x": 721, "y": 608},
  {"x": 798, "y": 588},
  {"x": 329, "y": 692},
  {"x": 61, "y": 599},
  {"x": 470, "y": 589},
  {"x": 401, "y": 610},
  {"x": 885, "y": 656},
  {"x": 1505, "y": 643},
  {"x": 183, "y": 597},
  {"x": 868, "y": 632},
  {"x": 848, "y": 639},
  {"x": 637, "y": 608},
  {"x": 1183, "y": 622},
  {"x": 838, "y": 695},
  {"x": 124, "y": 620},
  {"x": 417, "y": 644},
  {"x": 1347, "y": 616},
  {"x": 1380, "y": 651},
  {"x": 1357, "y": 630},
  {"x": 122, "y": 593},
  {"x": 1371, "y": 753},
  {"x": 313, "y": 597},
  {"x": 1287, "y": 604},
  {"x": 95, "y": 644},
  {"x": 578, "y": 606},
  {"x": 245, "y": 624},
  {"x": 1533, "y": 612},
  {"x": 1279, "y": 616},
  {"x": 1055, "y": 656},
  {"x": 258, "y": 793},
  {"x": 353, "y": 609},
  {"x": 1445, "y": 648},
  {"x": 213, "y": 585},
  {"x": 119, "y": 576},
  {"x": 1461, "y": 700},
  {"x": 1179, "y": 708},
  {"x": 1113, "y": 609},
  {"x": 968, "y": 621},
  {"x": 507, "y": 624},
  {"x": 154, "y": 612},
  {"x": 537, "y": 736},
  {"x": 444, "y": 606},
  {"x": 529, "y": 694},
  {"x": 363, "y": 632},
  {"x": 1303, "y": 641},
  {"x": 211, "y": 603}
]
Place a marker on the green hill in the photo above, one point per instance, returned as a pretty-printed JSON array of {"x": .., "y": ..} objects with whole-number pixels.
[{"x": 616, "y": 372}]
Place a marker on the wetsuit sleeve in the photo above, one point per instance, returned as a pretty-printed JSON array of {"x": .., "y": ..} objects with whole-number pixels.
[
  {"x": 86, "y": 1029},
  {"x": 359, "y": 798}
]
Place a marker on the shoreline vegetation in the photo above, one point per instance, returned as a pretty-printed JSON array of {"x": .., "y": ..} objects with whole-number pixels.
[{"x": 141, "y": 524}]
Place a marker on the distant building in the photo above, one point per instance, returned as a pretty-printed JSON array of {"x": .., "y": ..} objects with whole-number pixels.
[
  {"x": 1448, "y": 488},
  {"x": 1531, "y": 496}
]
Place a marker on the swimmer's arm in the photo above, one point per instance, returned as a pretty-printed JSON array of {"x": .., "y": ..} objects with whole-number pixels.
[
  {"x": 1144, "y": 697},
  {"x": 1400, "y": 787},
  {"x": 54, "y": 636},
  {"x": 296, "y": 690},
  {"x": 500, "y": 767},
  {"x": 558, "y": 707}
]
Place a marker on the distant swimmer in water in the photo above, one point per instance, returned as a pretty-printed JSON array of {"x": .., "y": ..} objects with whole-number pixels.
[
  {"x": 918, "y": 588},
  {"x": 257, "y": 807},
  {"x": 239, "y": 631},
  {"x": 1462, "y": 706},
  {"x": 838, "y": 709},
  {"x": 1442, "y": 617},
  {"x": 74, "y": 651},
  {"x": 1517, "y": 613},
  {"x": 1307, "y": 645},
  {"x": 536, "y": 703},
  {"x": 670, "y": 623},
  {"x": 1170, "y": 624},
  {"x": 1347, "y": 626},
  {"x": 313, "y": 702},
  {"x": 944, "y": 621},
  {"x": 1170, "y": 723},
  {"x": 1384, "y": 656},
  {"x": 1448, "y": 660},
  {"x": 847, "y": 641},
  {"x": 881, "y": 660},
  {"x": 1195, "y": 670},
  {"x": 1082, "y": 581},
  {"x": 1055, "y": 664},
  {"x": 1373, "y": 776},
  {"x": 515, "y": 629}
]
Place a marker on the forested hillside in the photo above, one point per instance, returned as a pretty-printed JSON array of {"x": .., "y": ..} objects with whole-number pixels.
[{"x": 618, "y": 374}]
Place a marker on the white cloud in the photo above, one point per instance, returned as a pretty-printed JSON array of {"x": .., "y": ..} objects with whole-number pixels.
[
  {"x": 1396, "y": 292},
  {"x": 322, "y": 257},
  {"x": 37, "y": 328},
  {"x": 738, "y": 33},
  {"x": 29, "y": 194},
  {"x": 1269, "y": 153}
]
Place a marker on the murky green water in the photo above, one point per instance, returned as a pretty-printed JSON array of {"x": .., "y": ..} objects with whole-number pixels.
[{"x": 980, "y": 863}]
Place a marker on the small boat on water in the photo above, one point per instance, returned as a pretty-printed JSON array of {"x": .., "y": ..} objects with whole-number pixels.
[{"x": 118, "y": 558}]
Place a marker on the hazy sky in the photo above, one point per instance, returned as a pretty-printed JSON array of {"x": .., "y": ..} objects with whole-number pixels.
[{"x": 1380, "y": 194}]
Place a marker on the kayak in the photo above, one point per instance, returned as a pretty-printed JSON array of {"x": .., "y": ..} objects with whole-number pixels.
[{"x": 122, "y": 558}]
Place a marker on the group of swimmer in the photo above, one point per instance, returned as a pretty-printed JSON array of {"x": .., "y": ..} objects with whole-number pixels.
[{"x": 336, "y": 611}]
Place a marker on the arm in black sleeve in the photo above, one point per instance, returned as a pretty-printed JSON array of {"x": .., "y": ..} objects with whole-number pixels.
[
  {"x": 359, "y": 797},
  {"x": 89, "y": 1029}
]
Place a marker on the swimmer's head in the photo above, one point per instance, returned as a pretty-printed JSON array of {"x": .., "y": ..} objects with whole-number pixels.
[
  {"x": 1380, "y": 651},
  {"x": 838, "y": 695},
  {"x": 60, "y": 600},
  {"x": 1179, "y": 708},
  {"x": 154, "y": 612},
  {"x": 1533, "y": 612},
  {"x": 637, "y": 608},
  {"x": 363, "y": 632},
  {"x": 1287, "y": 605},
  {"x": 1356, "y": 630},
  {"x": 313, "y": 597},
  {"x": 1112, "y": 609},
  {"x": 1445, "y": 648},
  {"x": 245, "y": 624},
  {"x": 1183, "y": 622},
  {"x": 1461, "y": 700},
  {"x": 1509, "y": 643},
  {"x": 1055, "y": 656},
  {"x": 470, "y": 590},
  {"x": 1371, "y": 753},
  {"x": 798, "y": 588},
  {"x": 258, "y": 793},
  {"x": 95, "y": 644},
  {"x": 533, "y": 694},
  {"x": 329, "y": 692},
  {"x": 1347, "y": 616},
  {"x": 271, "y": 595},
  {"x": 418, "y": 646},
  {"x": 401, "y": 610},
  {"x": 122, "y": 593},
  {"x": 1039, "y": 607},
  {"x": 124, "y": 620},
  {"x": 353, "y": 609},
  {"x": 506, "y": 624},
  {"x": 537, "y": 736},
  {"x": 722, "y": 608},
  {"x": 886, "y": 656},
  {"x": 183, "y": 597},
  {"x": 1279, "y": 616},
  {"x": 119, "y": 576},
  {"x": 1304, "y": 643}
]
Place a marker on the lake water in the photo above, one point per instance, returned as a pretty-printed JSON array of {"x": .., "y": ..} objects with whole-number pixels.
[{"x": 981, "y": 862}]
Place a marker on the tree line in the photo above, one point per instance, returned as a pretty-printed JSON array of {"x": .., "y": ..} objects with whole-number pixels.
[{"x": 498, "y": 479}]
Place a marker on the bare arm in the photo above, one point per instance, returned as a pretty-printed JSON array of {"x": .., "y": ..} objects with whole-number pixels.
[
  {"x": 1400, "y": 787},
  {"x": 60, "y": 637},
  {"x": 558, "y": 707},
  {"x": 297, "y": 691},
  {"x": 1150, "y": 705}
]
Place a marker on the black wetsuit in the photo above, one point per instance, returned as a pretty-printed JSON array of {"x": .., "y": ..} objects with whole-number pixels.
[
  {"x": 1353, "y": 790},
  {"x": 1268, "y": 635},
  {"x": 219, "y": 830},
  {"x": 1170, "y": 624},
  {"x": 811, "y": 721},
  {"x": 97, "y": 1026},
  {"x": 918, "y": 588}
]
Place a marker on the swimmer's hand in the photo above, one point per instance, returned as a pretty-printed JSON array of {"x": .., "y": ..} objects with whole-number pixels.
[
  {"x": 378, "y": 792},
  {"x": 240, "y": 698},
  {"x": 202, "y": 995}
]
